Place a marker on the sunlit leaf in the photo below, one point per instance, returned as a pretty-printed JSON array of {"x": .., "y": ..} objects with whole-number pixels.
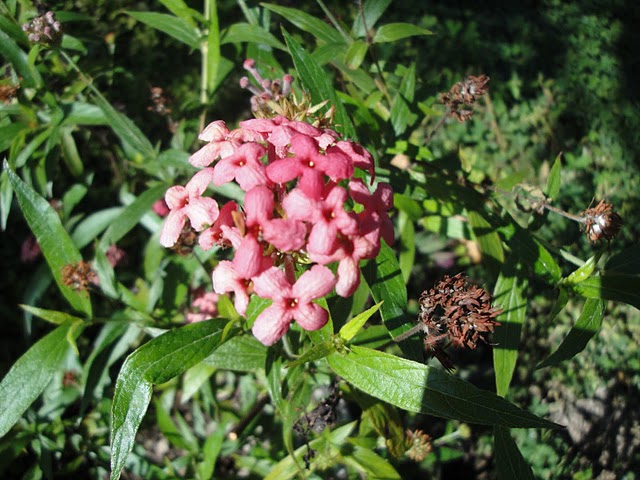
[
  {"x": 169, "y": 24},
  {"x": 620, "y": 288},
  {"x": 397, "y": 31},
  {"x": 587, "y": 326},
  {"x": 418, "y": 388},
  {"x": 307, "y": 23}
]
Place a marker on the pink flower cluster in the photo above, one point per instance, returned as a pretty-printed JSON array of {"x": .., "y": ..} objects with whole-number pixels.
[{"x": 302, "y": 206}]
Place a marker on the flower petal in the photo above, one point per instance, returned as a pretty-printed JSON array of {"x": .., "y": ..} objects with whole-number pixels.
[
  {"x": 273, "y": 284},
  {"x": 314, "y": 283},
  {"x": 310, "y": 316},
  {"x": 172, "y": 227},
  {"x": 271, "y": 324}
]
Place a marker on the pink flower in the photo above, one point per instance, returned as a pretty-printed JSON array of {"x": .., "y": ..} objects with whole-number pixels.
[
  {"x": 291, "y": 302},
  {"x": 284, "y": 234},
  {"x": 222, "y": 143},
  {"x": 374, "y": 221},
  {"x": 115, "y": 255},
  {"x": 203, "y": 307},
  {"x": 349, "y": 252},
  {"x": 187, "y": 202},
  {"x": 30, "y": 250},
  {"x": 327, "y": 217},
  {"x": 222, "y": 231},
  {"x": 160, "y": 208},
  {"x": 244, "y": 166},
  {"x": 226, "y": 280},
  {"x": 309, "y": 165},
  {"x": 360, "y": 157}
]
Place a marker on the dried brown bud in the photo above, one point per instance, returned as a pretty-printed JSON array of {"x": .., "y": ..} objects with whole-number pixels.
[
  {"x": 418, "y": 445},
  {"x": 601, "y": 222},
  {"x": 460, "y": 99},
  {"x": 458, "y": 311},
  {"x": 8, "y": 92},
  {"x": 79, "y": 275},
  {"x": 186, "y": 241}
]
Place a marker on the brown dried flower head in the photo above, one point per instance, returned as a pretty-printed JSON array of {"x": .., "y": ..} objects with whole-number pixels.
[
  {"x": 460, "y": 99},
  {"x": 45, "y": 30},
  {"x": 458, "y": 311},
  {"x": 418, "y": 445},
  {"x": 79, "y": 275},
  {"x": 186, "y": 241},
  {"x": 8, "y": 93},
  {"x": 601, "y": 222}
]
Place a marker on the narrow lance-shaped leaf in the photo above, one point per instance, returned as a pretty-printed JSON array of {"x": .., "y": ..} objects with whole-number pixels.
[
  {"x": 314, "y": 78},
  {"x": 418, "y": 388},
  {"x": 384, "y": 277},
  {"x": 587, "y": 326},
  {"x": 397, "y": 31},
  {"x": 488, "y": 239},
  {"x": 510, "y": 463},
  {"x": 553, "y": 181},
  {"x": 155, "y": 362},
  {"x": 620, "y": 288},
  {"x": 56, "y": 245},
  {"x": 308, "y": 23},
  {"x": 20, "y": 61},
  {"x": 30, "y": 375},
  {"x": 508, "y": 295},
  {"x": 131, "y": 215},
  {"x": 169, "y": 24}
]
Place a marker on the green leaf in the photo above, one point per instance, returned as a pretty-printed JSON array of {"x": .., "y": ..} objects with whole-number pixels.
[
  {"x": 212, "y": 52},
  {"x": 314, "y": 78},
  {"x": 181, "y": 10},
  {"x": 349, "y": 330},
  {"x": 396, "y": 31},
  {"x": 408, "y": 249},
  {"x": 373, "y": 10},
  {"x": 401, "y": 115},
  {"x": 70, "y": 153},
  {"x": 124, "y": 128},
  {"x": 418, "y": 388},
  {"x": 155, "y": 362},
  {"x": 93, "y": 225},
  {"x": 553, "y": 181},
  {"x": 171, "y": 25},
  {"x": 533, "y": 253},
  {"x": 56, "y": 246},
  {"x": 355, "y": 54},
  {"x": 20, "y": 61},
  {"x": 508, "y": 295},
  {"x": 619, "y": 288},
  {"x": 627, "y": 261},
  {"x": 131, "y": 215},
  {"x": 372, "y": 464},
  {"x": 316, "y": 352},
  {"x": 30, "y": 375},
  {"x": 582, "y": 273},
  {"x": 308, "y": 23},
  {"x": 587, "y": 326},
  {"x": 510, "y": 463},
  {"x": 210, "y": 451},
  {"x": 246, "y": 33},
  {"x": 53, "y": 316},
  {"x": 384, "y": 277},
  {"x": 488, "y": 238},
  {"x": 242, "y": 353}
]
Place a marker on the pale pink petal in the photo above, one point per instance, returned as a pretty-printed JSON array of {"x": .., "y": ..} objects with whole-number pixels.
[
  {"x": 258, "y": 205},
  {"x": 202, "y": 212},
  {"x": 199, "y": 182},
  {"x": 224, "y": 171},
  {"x": 287, "y": 235},
  {"x": 283, "y": 170},
  {"x": 247, "y": 260},
  {"x": 226, "y": 279},
  {"x": 336, "y": 166},
  {"x": 299, "y": 206},
  {"x": 175, "y": 197},
  {"x": 348, "y": 277},
  {"x": 214, "y": 132},
  {"x": 271, "y": 324},
  {"x": 172, "y": 227},
  {"x": 252, "y": 175},
  {"x": 258, "y": 125},
  {"x": 311, "y": 316},
  {"x": 273, "y": 284},
  {"x": 205, "y": 156},
  {"x": 311, "y": 183},
  {"x": 322, "y": 238},
  {"x": 314, "y": 283}
]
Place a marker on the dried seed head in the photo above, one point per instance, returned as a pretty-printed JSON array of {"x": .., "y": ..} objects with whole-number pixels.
[
  {"x": 186, "y": 241},
  {"x": 418, "y": 445},
  {"x": 460, "y": 99},
  {"x": 458, "y": 311},
  {"x": 79, "y": 275},
  {"x": 601, "y": 222}
]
